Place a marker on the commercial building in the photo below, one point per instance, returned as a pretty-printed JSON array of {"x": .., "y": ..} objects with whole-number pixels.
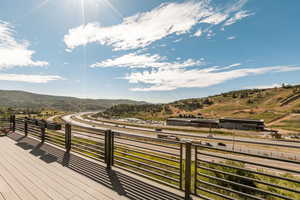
[
  {"x": 228, "y": 123},
  {"x": 242, "y": 124},
  {"x": 196, "y": 122}
]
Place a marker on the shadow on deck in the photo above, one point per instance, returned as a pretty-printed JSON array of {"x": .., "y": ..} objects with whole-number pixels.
[{"x": 121, "y": 183}]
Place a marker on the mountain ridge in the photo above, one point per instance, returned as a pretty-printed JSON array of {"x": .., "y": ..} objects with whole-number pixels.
[{"x": 24, "y": 99}]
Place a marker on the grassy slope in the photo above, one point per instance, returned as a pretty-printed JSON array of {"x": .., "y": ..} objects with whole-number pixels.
[
  {"x": 290, "y": 124},
  {"x": 267, "y": 104},
  {"x": 21, "y": 99}
]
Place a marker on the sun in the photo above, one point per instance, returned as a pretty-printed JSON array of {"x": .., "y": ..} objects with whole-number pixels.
[
  {"x": 87, "y": 5},
  {"x": 85, "y": 8}
]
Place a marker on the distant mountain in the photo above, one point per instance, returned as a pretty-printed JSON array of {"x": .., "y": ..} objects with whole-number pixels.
[{"x": 27, "y": 100}]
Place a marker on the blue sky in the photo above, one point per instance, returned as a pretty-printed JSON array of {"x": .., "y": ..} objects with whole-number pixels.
[{"x": 157, "y": 51}]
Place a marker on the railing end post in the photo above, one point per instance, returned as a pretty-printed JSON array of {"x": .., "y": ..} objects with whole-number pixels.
[
  {"x": 43, "y": 132},
  {"x": 188, "y": 170},
  {"x": 108, "y": 157},
  {"x": 68, "y": 137},
  {"x": 26, "y": 126},
  {"x": 13, "y": 121}
]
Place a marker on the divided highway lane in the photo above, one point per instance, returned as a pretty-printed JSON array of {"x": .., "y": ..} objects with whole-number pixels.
[
  {"x": 239, "y": 144},
  {"x": 196, "y": 135},
  {"x": 267, "y": 162},
  {"x": 86, "y": 135},
  {"x": 68, "y": 119}
]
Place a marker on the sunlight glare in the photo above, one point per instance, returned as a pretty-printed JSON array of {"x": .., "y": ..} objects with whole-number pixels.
[{"x": 104, "y": 3}]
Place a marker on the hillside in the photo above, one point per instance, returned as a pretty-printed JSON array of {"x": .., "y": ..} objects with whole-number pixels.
[
  {"x": 268, "y": 104},
  {"x": 21, "y": 99}
]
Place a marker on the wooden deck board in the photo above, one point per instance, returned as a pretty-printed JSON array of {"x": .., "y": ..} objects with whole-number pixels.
[
  {"x": 6, "y": 190},
  {"x": 72, "y": 180},
  {"x": 1, "y": 196},
  {"x": 66, "y": 178},
  {"x": 24, "y": 176},
  {"x": 54, "y": 190},
  {"x": 15, "y": 179}
]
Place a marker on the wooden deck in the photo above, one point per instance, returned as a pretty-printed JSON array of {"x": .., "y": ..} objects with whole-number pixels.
[{"x": 30, "y": 170}]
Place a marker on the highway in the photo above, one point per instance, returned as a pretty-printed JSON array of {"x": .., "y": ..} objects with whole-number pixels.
[
  {"x": 200, "y": 136},
  {"x": 236, "y": 144},
  {"x": 268, "y": 162},
  {"x": 189, "y": 134},
  {"x": 51, "y": 119},
  {"x": 68, "y": 119}
]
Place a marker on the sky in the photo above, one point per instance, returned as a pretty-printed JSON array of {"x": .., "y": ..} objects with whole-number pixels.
[{"x": 155, "y": 51}]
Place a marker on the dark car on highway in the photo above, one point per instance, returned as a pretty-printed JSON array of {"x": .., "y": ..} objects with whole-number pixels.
[
  {"x": 208, "y": 144},
  {"x": 222, "y": 144}
]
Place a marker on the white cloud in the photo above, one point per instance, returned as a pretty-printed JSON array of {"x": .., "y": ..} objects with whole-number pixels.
[
  {"x": 171, "y": 79},
  {"x": 198, "y": 33},
  {"x": 235, "y": 65},
  {"x": 29, "y": 78},
  {"x": 12, "y": 52},
  {"x": 230, "y": 66},
  {"x": 143, "y": 29},
  {"x": 215, "y": 18},
  {"x": 231, "y": 38},
  {"x": 178, "y": 40},
  {"x": 237, "y": 17},
  {"x": 263, "y": 86},
  {"x": 133, "y": 60}
]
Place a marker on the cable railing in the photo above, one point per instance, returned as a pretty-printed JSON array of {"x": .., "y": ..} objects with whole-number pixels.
[
  {"x": 153, "y": 158},
  {"x": 209, "y": 172},
  {"x": 5, "y": 125},
  {"x": 19, "y": 124},
  {"x": 88, "y": 143},
  {"x": 4, "y": 122},
  {"x": 227, "y": 174}
]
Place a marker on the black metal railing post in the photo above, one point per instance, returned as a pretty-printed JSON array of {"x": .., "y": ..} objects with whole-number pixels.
[
  {"x": 43, "y": 132},
  {"x": 108, "y": 149},
  {"x": 10, "y": 122},
  {"x": 112, "y": 147},
  {"x": 188, "y": 169},
  {"x": 13, "y": 123},
  {"x": 26, "y": 126},
  {"x": 68, "y": 137},
  {"x": 196, "y": 170},
  {"x": 181, "y": 167},
  {"x": 105, "y": 145}
]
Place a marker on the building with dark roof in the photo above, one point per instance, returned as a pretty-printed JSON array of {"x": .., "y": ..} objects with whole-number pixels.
[
  {"x": 228, "y": 123},
  {"x": 242, "y": 124},
  {"x": 196, "y": 122}
]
